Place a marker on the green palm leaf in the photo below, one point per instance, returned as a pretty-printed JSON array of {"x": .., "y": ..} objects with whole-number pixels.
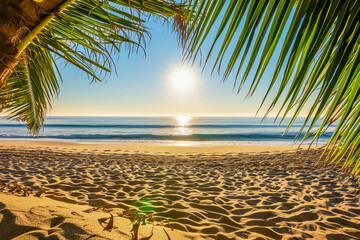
[
  {"x": 30, "y": 88},
  {"x": 83, "y": 33},
  {"x": 319, "y": 59}
]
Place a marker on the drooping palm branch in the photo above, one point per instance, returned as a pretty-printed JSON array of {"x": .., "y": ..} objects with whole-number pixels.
[
  {"x": 83, "y": 33},
  {"x": 319, "y": 60}
]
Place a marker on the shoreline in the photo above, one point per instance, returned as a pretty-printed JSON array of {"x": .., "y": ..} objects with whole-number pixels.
[{"x": 150, "y": 148}]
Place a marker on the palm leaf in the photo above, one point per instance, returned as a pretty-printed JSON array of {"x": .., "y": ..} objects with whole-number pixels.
[
  {"x": 30, "y": 88},
  {"x": 83, "y": 33},
  {"x": 318, "y": 63}
]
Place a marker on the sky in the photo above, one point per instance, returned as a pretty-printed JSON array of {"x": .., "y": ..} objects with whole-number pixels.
[{"x": 144, "y": 86}]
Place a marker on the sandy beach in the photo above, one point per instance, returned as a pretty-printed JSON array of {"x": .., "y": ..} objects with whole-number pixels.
[
  {"x": 179, "y": 120},
  {"x": 202, "y": 192}
]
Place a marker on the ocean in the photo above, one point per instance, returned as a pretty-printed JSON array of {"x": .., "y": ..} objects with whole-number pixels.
[{"x": 170, "y": 130}]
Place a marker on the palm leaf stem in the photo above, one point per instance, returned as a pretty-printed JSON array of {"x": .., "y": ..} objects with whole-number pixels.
[{"x": 37, "y": 29}]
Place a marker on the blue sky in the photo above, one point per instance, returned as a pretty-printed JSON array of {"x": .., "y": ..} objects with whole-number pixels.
[{"x": 142, "y": 86}]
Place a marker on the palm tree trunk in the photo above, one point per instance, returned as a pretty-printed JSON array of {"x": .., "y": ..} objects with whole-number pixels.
[{"x": 20, "y": 22}]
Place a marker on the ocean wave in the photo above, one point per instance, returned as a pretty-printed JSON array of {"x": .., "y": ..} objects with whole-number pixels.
[{"x": 190, "y": 137}]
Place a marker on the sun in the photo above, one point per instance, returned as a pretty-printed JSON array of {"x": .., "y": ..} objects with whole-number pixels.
[{"x": 183, "y": 79}]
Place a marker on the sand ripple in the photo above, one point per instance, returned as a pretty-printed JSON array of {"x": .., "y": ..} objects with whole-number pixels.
[{"x": 264, "y": 196}]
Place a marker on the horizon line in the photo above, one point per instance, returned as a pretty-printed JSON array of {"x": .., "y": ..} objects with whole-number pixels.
[{"x": 180, "y": 115}]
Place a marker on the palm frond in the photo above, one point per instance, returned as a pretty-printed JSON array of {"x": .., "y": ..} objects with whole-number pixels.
[
  {"x": 30, "y": 88},
  {"x": 318, "y": 62},
  {"x": 84, "y": 33}
]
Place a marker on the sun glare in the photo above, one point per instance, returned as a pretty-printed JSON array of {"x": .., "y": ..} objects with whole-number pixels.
[
  {"x": 183, "y": 79},
  {"x": 182, "y": 121},
  {"x": 183, "y": 125}
]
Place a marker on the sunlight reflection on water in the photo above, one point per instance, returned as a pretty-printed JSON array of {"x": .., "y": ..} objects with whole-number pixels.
[{"x": 183, "y": 125}]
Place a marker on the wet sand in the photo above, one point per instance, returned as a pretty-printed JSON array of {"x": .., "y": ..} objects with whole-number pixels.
[
  {"x": 214, "y": 194},
  {"x": 181, "y": 148}
]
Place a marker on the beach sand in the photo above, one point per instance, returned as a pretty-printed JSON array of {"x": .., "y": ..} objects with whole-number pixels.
[{"x": 206, "y": 192}]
